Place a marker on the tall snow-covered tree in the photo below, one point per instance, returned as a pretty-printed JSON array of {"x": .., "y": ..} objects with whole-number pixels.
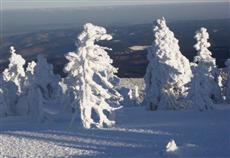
[
  {"x": 91, "y": 77},
  {"x": 227, "y": 89},
  {"x": 204, "y": 89},
  {"x": 168, "y": 71}
]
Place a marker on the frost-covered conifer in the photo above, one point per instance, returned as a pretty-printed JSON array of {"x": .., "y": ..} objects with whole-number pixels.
[
  {"x": 91, "y": 77},
  {"x": 168, "y": 70},
  {"x": 204, "y": 90},
  {"x": 3, "y": 105},
  {"x": 28, "y": 104},
  {"x": 136, "y": 92},
  {"x": 130, "y": 94},
  {"x": 43, "y": 90},
  {"x": 12, "y": 80},
  {"x": 227, "y": 89},
  {"x": 15, "y": 71},
  {"x": 133, "y": 97}
]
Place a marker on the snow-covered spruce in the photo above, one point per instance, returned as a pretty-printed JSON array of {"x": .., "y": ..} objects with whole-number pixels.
[
  {"x": 227, "y": 89},
  {"x": 15, "y": 71},
  {"x": 168, "y": 71},
  {"x": 12, "y": 80},
  {"x": 3, "y": 106},
  {"x": 42, "y": 94},
  {"x": 91, "y": 77},
  {"x": 204, "y": 89},
  {"x": 133, "y": 97}
]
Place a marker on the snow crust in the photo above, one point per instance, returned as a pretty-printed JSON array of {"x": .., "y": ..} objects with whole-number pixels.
[{"x": 139, "y": 134}]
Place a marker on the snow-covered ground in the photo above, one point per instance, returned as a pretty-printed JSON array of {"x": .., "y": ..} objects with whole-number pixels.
[{"x": 138, "y": 134}]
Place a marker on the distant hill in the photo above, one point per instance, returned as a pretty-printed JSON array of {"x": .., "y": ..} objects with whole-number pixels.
[{"x": 129, "y": 44}]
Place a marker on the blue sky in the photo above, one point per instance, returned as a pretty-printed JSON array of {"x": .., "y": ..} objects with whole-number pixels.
[{"x": 21, "y": 4}]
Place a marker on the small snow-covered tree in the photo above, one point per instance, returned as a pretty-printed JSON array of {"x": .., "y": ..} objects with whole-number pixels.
[
  {"x": 12, "y": 81},
  {"x": 130, "y": 94},
  {"x": 168, "y": 71},
  {"x": 91, "y": 77},
  {"x": 43, "y": 93},
  {"x": 28, "y": 103},
  {"x": 15, "y": 71},
  {"x": 204, "y": 89},
  {"x": 45, "y": 78},
  {"x": 3, "y": 105},
  {"x": 136, "y": 92},
  {"x": 133, "y": 97},
  {"x": 227, "y": 88}
]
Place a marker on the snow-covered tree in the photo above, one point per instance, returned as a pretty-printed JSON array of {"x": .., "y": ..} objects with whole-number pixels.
[
  {"x": 3, "y": 105},
  {"x": 133, "y": 97},
  {"x": 29, "y": 102},
  {"x": 227, "y": 89},
  {"x": 15, "y": 71},
  {"x": 204, "y": 89},
  {"x": 130, "y": 94},
  {"x": 136, "y": 92},
  {"x": 91, "y": 77},
  {"x": 43, "y": 93},
  {"x": 45, "y": 78},
  {"x": 12, "y": 80},
  {"x": 168, "y": 71}
]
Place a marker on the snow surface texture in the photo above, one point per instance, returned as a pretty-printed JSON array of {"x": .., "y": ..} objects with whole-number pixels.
[
  {"x": 138, "y": 134},
  {"x": 92, "y": 78},
  {"x": 168, "y": 71},
  {"x": 204, "y": 90}
]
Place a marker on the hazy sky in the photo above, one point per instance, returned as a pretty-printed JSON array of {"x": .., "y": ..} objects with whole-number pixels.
[{"x": 21, "y": 4}]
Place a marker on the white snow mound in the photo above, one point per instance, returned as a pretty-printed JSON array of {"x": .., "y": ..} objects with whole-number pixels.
[{"x": 171, "y": 146}]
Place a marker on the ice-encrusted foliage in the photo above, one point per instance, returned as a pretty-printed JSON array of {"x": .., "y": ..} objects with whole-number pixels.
[
  {"x": 15, "y": 71},
  {"x": 168, "y": 71},
  {"x": 91, "y": 77},
  {"x": 204, "y": 88},
  {"x": 227, "y": 89}
]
